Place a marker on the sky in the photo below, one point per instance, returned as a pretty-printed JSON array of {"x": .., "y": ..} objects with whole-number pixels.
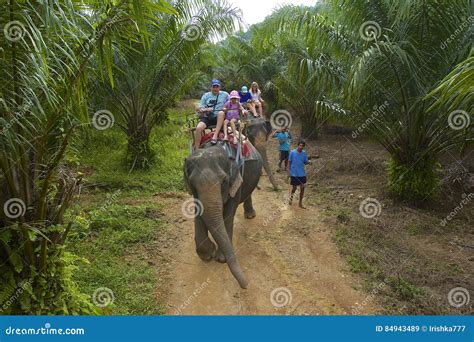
[{"x": 255, "y": 11}]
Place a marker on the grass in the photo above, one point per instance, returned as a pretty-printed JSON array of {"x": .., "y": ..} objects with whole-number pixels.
[
  {"x": 117, "y": 220},
  {"x": 407, "y": 249},
  {"x": 370, "y": 253},
  {"x": 394, "y": 253},
  {"x": 103, "y": 157}
]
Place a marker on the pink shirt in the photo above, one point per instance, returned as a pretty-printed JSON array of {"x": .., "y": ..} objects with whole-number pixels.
[{"x": 232, "y": 110}]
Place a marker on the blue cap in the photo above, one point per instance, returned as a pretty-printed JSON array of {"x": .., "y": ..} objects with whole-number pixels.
[
  {"x": 215, "y": 82},
  {"x": 245, "y": 90}
]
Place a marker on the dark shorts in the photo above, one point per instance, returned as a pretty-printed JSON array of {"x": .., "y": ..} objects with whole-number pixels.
[
  {"x": 296, "y": 181},
  {"x": 209, "y": 121},
  {"x": 284, "y": 155}
]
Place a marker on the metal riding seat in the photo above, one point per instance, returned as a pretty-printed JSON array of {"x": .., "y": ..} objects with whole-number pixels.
[{"x": 235, "y": 152}]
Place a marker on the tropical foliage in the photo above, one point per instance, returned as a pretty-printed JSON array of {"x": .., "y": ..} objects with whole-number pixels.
[
  {"x": 373, "y": 63},
  {"x": 151, "y": 78},
  {"x": 401, "y": 69},
  {"x": 47, "y": 49}
]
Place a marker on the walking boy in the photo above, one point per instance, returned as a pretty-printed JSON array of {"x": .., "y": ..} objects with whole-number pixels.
[{"x": 297, "y": 161}]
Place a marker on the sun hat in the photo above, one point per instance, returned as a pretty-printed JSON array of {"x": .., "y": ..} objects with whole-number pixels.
[
  {"x": 234, "y": 94},
  {"x": 245, "y": 90}
]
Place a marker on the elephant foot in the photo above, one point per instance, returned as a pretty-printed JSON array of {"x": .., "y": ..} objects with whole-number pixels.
[
  {"x": 207, "y": 250},
  {"x": 250, "y": 215},
  {"x": 220, "y": 257}
]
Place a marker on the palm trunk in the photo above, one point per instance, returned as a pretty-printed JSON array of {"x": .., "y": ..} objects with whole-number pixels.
[
  {"x": 139, "y": 151},
  {"x": 309, "y": 127},
  {"x": 414, "y": 180}
]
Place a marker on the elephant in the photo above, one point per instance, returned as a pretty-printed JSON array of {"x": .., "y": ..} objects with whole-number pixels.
[
  {"x": 216, "y": 183},
  {"x": 258, "y": 132}
]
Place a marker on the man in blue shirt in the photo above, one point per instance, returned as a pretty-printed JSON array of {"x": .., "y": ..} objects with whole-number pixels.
[
  {"x": 284, "y": 141},
  {"x": 211, "y": 113},
  {"x": 297, "y": 161}
]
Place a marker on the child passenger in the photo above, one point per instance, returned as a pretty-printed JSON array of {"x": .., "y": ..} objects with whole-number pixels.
[{"x": 233, "y": 108}]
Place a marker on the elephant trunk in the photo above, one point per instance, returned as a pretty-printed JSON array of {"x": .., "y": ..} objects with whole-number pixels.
[
  {"x": 266, "y": 165},
  {"x": 212, "y": 216}
]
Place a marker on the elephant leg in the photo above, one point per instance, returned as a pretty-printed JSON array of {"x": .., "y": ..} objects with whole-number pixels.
[
  {"x": 229, "y": 214},
  {"x": 249, "y": 211},
  {"x": 205, "y": 248}
]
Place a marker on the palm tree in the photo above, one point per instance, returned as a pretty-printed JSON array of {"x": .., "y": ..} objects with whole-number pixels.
[
  {"x": 47, "y": 51},
  {"x": 392, "y": 53},
  {"x": 153, "y": 77},
  {"x": 400, "y": 67},
  {"x": 455, "y": 95},
  {"x": 311, "y": 73}
]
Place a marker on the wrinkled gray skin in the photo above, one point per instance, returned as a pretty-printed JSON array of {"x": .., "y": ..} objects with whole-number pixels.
[
  {"x": 214, "y": 179},
  {"x": 258, "y": 132}
]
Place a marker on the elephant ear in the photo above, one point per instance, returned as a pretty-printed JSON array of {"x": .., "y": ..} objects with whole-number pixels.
[{"x": 236, "y": 184}]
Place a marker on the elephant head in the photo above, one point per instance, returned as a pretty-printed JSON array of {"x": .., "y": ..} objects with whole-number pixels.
[{"x": 215, "y": 180}]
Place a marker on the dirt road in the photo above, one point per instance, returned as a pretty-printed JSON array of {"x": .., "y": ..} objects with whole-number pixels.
[{"x": 286, "y": 253}]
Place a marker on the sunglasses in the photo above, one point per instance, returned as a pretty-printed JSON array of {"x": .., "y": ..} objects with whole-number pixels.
[{"x": 216, "y": 86}]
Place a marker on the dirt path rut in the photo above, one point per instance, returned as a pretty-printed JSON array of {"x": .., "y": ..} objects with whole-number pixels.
[{"x": 287, "y": 255}]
